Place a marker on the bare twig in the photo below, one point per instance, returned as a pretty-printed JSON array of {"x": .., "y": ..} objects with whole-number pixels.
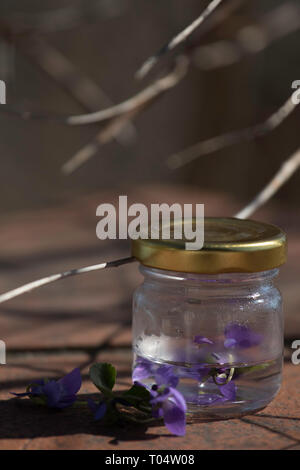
[
  {"x": 83, "y": 89},
  {"x": 57, "y": 277},
  {"x": 114, "y": 127},
  {"x": 179, "y": 38},
  {"x": 225, "y": 11},
  {"x": 111, "y": 130},
  {"x": 289, "y": 167},
  {"x": 251, "y": 39},
  {"x": 151, "y": 92},
  {"x": 231, "y": 138}
]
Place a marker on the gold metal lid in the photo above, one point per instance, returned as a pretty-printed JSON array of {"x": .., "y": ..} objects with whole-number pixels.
[{"x": 230, "y": 245}]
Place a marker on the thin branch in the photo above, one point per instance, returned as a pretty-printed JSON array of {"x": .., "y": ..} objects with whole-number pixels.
[
  {"x": 57, "y": 277},
  {"x": 251, "y": 39},
  {"x": 222, "y": 14},
  {"x": 110, "y": 131},
  {"x": 152, "y": 91},
  {"x": 84, "y": 90},
  {"x": 116, "y": 125},
  {"x": 289, "y": 167},
  {"x": 231, "y": 138},
  {"x": 179, "y": 38}
]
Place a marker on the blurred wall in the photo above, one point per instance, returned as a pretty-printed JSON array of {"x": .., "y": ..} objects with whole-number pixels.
[{"x": 109, "y": 48}]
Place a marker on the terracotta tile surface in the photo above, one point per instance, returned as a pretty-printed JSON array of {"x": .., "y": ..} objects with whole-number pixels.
[{"x": 78, "y": 321}]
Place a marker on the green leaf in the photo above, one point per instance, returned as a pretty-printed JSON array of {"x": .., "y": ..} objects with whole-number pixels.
[
  {"x": 112, "y": 415},
  {"x": 103, "y": 376},
  {"x": 137, "y": 395}
]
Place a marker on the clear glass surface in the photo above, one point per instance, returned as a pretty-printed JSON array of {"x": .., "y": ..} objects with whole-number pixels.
[{"x": 217, "y": 338}]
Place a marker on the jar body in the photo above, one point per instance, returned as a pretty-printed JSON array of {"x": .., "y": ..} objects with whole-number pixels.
[{"x": 217, "y": 338}]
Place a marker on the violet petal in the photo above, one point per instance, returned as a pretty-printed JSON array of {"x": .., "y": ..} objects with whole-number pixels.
[
  {"x": 174, "y": 418},
  {"x": 157, "y": 412},
  {"x": 164, "y": 376},
  {"x": 230, "y": 343},
  {"x": 229, "y": 390},
  {"x": 198, "y": 339},
  {"x": 178, "y": 398},
  {"x": 243, "y": 335},
  {"x": 140, "y": 372},
  {"x": 100, "y": 412},
  {"x": 53, "y": 391},
  {"x": 142, "y": 369},
  {"x": 161, "y": 397},
  {"x": 71, "y": 382}
]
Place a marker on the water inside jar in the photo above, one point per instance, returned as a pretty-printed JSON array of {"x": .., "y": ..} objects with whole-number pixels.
[{"x": 218, "y": 384}]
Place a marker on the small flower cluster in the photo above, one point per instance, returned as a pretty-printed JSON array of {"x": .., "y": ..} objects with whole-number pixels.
[
  {"x": 160, "y": 402},
  {"x": 236, "y": 337},
  {"x": 55, "y": 393},
  {"x": 161, "y": 399}
]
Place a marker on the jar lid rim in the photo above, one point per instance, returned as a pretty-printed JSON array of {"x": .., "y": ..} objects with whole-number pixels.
[{"x": 230, "y": 245}]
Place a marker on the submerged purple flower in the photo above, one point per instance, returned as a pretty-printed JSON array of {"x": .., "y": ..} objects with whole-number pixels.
[
  {"x": 164, "y": 376},
  {"x": 198, "y": 339},
  {"x": 196, "y": 372},
  {"x": 228, "y": 393},
  {"x": 142, "y": 370},
  {"x": 240, "y": 336},
  {"x": 56, "y": 393},
  {"x": 170, "y": 405}
]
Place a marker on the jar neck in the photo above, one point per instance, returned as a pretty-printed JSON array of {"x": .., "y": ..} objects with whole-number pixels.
[{"x": 223, "y": 279}]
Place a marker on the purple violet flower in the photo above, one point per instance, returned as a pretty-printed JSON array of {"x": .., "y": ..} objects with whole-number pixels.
[
  {"x": 228, "y": 393},
  {"x": 240, "y": 336},
  {"x": 164, "y": 376},
  {"x": 142, "y": 370},
  {"x": 169, "y": 404},
  {"x": 57, "y": 394}
]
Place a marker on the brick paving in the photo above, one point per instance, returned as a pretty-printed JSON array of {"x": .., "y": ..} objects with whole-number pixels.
[{"x": 85, "y": 319}]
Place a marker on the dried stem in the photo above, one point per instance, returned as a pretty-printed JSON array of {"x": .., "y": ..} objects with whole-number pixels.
[
  {"x": 150, "y": 93},
  {"x": 220, "y": 15},
  {"x": 289, "y": 167},
  {"x": 231, "y": 138},
  {"x": 110, "y": 131},
  {"x": 57, "y": 277},
  {"x": 179, "y": 38},
  {"x": 84, "y": 90},
  {"x": 115, "y": 126}
]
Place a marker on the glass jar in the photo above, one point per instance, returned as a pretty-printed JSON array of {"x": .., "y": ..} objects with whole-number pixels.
[{"x": 214, "y": 332}]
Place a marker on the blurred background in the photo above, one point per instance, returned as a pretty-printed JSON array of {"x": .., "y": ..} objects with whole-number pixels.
[
  {"x": 105, "y": 42},
  {"x": 68, "y": 57}
]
